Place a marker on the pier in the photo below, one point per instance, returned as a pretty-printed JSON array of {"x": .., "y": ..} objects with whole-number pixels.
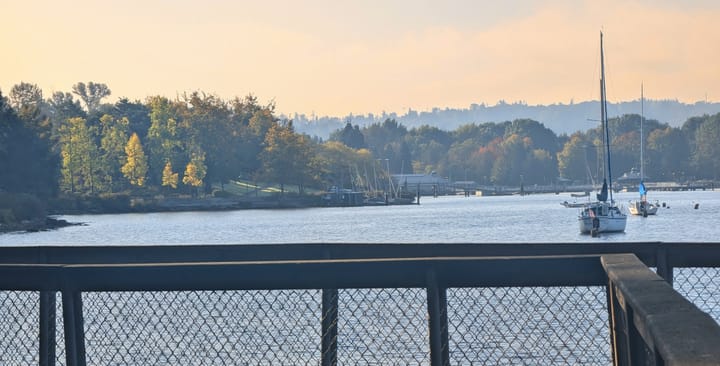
[
  {"x": 472, "y": 188},
  {"x": 337, "y": 304}
]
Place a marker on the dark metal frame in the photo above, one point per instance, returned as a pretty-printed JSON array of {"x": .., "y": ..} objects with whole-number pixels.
[{"x": 435, "y": 267}]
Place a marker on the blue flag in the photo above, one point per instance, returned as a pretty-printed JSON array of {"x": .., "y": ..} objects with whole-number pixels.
[{"x": 642, "y": 189}]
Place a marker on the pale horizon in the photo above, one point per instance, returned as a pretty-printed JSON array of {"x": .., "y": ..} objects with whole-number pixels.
[{"x": 335, "y": 58}]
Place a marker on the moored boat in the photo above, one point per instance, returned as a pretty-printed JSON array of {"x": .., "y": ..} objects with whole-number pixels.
[
  {"x": 603, "y": 215},
  {"x": 642, "y": 207}
]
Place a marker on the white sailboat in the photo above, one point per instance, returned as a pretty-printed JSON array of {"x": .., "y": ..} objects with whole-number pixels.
[
  {"x": 603, "y": 215},
  {"x": 642, "y": 207}
]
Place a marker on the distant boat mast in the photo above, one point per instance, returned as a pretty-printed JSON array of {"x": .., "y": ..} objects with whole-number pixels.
[{"x": 642, "y": 140}]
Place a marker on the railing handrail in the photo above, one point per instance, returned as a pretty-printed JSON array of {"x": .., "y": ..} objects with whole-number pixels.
[
  {"x": 655, "y": 324},
  {"x": 308, "y": 274},
  {"x": 679, "y": 254}
]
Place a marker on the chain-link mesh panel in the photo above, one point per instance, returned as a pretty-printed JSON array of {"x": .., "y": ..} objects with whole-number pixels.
[
  {"x": 529, "y": 326},
  {"x": 202, "y": 328},
  {"x": 701, "y": 286},
  {"x": 383, "y": 327},
  {"x": 538, "y": 325},
  {"x": 19, "y": 327}
]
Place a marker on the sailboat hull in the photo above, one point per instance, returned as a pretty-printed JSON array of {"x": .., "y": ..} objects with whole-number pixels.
[
  {"x": 640, "y": 208},
  {"x": 602, "y": 217}
]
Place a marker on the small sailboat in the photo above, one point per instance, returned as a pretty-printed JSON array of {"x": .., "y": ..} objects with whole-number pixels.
[
  {"x": 642, "y": 207},
  {"x": 603, "y": 215}
]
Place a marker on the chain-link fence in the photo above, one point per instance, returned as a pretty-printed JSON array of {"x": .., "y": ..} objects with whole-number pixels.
[
  {"x": 485, "y": 325},
  {"x": 282, "y": 327},
  {"x": 19, "y": 328},
  {"x": 701, "y": 286},
  {"x": 202, "y": 328},
  {"x": 529, "y": 326},
  {"x": 19, "y": 322},
  {"x": 383, "y": 327}
]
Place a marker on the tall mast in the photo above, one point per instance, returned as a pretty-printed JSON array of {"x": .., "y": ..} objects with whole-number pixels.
[
  {"x": 642, "y": 139},
  {"x": 603, "y": 115}
]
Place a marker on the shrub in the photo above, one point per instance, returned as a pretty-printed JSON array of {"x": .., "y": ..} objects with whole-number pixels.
[
  {"x": 222, "y": 194},
  {"x": 21, "y": 207}
]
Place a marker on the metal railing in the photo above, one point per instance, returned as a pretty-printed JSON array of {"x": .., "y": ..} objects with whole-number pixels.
[
  {"x": 360, "y": 304},
  {"x": 651, "y": 323}
]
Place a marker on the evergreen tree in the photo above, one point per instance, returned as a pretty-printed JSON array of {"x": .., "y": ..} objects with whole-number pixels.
[
  {"x": 350, "y": 136},
  {"x": 27, "y": 162}
]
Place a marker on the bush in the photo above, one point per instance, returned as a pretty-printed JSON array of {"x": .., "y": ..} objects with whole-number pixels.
[
  {"x": 102, "y": 203},
  {"x": 113, "y": 202},
  {"x": 21, "y": 207},
  {"x": 222, "y": 194}
]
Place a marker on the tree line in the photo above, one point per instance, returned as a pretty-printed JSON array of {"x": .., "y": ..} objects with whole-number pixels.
[{"x": 72, "y": 143}]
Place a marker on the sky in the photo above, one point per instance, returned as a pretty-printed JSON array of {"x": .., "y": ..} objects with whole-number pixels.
[{"x": 340, "y": 57}]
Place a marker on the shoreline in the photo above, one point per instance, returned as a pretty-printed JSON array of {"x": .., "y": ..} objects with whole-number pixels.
[
  {"x": 50, "y": 223},
  {"x": 150, "y": 206}
]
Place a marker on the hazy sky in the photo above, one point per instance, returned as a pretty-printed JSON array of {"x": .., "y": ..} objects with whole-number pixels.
[{"x": 335, "y": 57}]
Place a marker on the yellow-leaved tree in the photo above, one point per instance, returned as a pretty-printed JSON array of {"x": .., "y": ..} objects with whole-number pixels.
[
  {"x": 136, "y": 167},
  {"x": 195, "y": 171},
  {"x": 169, "y": 179}
]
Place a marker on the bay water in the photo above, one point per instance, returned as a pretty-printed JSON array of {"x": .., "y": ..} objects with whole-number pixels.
[
  {"x": 547, "y": 326},
  {"x": 446, "y": 219}
]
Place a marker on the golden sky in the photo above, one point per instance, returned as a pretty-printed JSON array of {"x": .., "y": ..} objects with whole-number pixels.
[{"x": 335, "y": 57}]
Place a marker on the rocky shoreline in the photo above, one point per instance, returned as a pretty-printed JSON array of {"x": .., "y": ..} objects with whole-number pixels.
[
  {"x": 49, "y": 223},
  {"x": 152, "y": 205}
]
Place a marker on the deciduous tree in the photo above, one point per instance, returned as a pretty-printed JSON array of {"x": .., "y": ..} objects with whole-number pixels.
[
  {"x": 91, "y": 94},
  {"x": 195, "y": 172},
  {"x": 707, "y": 155},
  {"x": 169, "y": 178},
  {"x": 574, "y": 160},
  {"x": 164, "y": 140},
  {"x": 135, "y": 169},
  {"x": 81, "y": 167},
  {"x": 113, "y": 140},
  {"x": 286, "y": 157}
]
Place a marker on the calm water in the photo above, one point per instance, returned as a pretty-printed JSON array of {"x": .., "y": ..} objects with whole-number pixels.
[
  {"x": 575, "y": 333},
  {"x": 534, "y": 218}
]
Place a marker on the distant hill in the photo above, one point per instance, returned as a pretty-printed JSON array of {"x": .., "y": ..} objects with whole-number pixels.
[{"x": 561, "y": 118}]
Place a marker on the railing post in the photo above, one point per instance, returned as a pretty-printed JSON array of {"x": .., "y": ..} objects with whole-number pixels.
[
  {"x": 74, "y": 328},
  {"x": 438, "y": 323},
  {"x": 618, "y": 328},
  {"x": 47, "y": 328},
  {"x": 329, "y": 327},
  {"x": 664, "y": 270}
]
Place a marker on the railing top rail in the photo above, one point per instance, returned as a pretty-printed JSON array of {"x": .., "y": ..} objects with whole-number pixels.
[
  {"x": 670, "y": 324},
  {"x": 678, "y": 254},
  {"x": 311, "y": 274}
]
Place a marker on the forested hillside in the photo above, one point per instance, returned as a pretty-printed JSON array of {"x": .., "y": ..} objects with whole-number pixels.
[
  {"x": 561, "y": 118},
  {"x": 76, "y": 144}
]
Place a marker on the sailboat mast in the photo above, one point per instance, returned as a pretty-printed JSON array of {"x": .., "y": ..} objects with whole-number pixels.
[
  {"x": 642, "y": 139},
  {"x": 604, "y": 117}
]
